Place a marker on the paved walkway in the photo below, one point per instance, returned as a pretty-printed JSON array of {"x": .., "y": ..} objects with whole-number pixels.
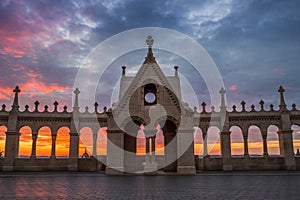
[{"x": 234, "y": 185}]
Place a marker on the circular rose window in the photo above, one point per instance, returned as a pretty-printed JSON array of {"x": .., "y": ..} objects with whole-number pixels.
[{"x": 150, "y": 97}]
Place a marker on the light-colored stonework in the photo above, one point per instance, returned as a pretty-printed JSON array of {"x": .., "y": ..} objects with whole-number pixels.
[{"x": 123, "y": 121}]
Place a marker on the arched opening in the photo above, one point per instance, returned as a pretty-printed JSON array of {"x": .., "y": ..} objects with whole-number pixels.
[
  {"x": 237, "y": 141},
  {"x": 102, "y": 141},
  {"x": 170, "y": 145},
  {"x": 296, "y": 138},
  {"x": 141, "y": 141},
  {"x": 150, "y": 94},
  {"x": 255, "y": 142},
  {"x": 198, "y": 141},
  {"x": 85, "y": 141},
  {"x": 273, "y": 140},
  {"x": 62, "y": 142},
  {"x": 25, "y": 141},
  {"x": 213, "y": 141},
  {"x": 44, "y": 142},
  {"x": 3, "y": 130},
  {"x": 159, "y": 142}
]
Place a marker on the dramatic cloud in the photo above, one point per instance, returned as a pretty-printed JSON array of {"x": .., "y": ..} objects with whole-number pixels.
[{"x": 255, "y": 44}]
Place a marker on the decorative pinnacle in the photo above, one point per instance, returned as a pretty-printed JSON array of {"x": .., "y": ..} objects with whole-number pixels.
[
  {"x": 222, "y": 92},
  {"x": 282, "y": 105},
  {"x": 76, "y": 104},
  {"x": 149, "y": 41},
  {"x": 150, "y": 58},
  {"x": 16, "y": 99}
]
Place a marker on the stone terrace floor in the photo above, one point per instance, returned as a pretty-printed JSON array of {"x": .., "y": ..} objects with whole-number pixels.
[{"x": 205, "y": 185}]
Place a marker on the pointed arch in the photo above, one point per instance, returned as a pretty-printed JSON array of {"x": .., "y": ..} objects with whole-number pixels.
[
  {"x": 102, "y": 141},
  {"x": 255, "y": 141},
  {"x": 85, "y": 141},
  {"x": 141, "y": 142},
  {"x": 237, "y": 141},
  {"x": 273, "y": 140},
  {"x": 44, "y": 142},
  {"x": 62, "y": 142},
  {"x": 296, "y": 137},
  {"x": 213, "y": 141},
  {"x": 198, "y": 141},
  {"x": 3, "y": 130},
  {"x": 25, "y": 141}
]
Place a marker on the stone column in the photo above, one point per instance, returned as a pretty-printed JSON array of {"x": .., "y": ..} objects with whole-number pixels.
[
  {"x": 115, "y": 152},
  {"x": 147, "y": 158},
  {"x": 226, "y": 150},
  {"x": 53, "y": 148},
  {"x": 265, "y": 144},
  {"x": 11, "y": 150},
  {"x": 185, "y": 152},
  {"x": 153, "y": 160},
  {"x": 287, "y": 149},
  {"x": 73, "y": 153},
  {"x": 205, "y": 152},
  {"x": 33, "y": 148},
  {"x": 95, "y": 137},
  {"x": 246, "y": 151}
]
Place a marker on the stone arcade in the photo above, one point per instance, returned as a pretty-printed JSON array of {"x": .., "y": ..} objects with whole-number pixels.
[{"x": 150, "y": 98}]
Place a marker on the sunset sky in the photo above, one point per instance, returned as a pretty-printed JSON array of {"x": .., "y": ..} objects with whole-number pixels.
[{"x": 255, "y": 45}]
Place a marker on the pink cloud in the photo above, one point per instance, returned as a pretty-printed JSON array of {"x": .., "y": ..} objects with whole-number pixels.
[
  {"x": 233, "y": 88},
  {"x": 278, "y": 71}
]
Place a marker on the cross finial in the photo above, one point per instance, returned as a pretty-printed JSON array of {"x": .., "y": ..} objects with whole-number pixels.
[
  {"x": 17, "y": 90},
  {"x": 16, "y": 99},
  {"x": 76, "y": 91},
  {"x": 149, "y": 41},
  {"x": 222, "y": 91}
]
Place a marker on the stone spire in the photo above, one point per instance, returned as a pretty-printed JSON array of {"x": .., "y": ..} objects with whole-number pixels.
[
  {"x": 222, "y": 92},
  {"x": 16, "y": 99},
  {"x": 76, "y": 104},
  {"x": 282, "y": 104},
  {"x": 150, "y": 58}
]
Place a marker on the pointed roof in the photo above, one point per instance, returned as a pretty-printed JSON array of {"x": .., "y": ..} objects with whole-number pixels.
[{"x": 149, "y": 66}]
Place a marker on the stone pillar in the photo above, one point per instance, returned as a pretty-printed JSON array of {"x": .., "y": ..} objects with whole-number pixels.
[
  {"x": 265, "y": 144},
  {"x": 226, "y": 150},
  {"x": 115, "y": 152},
  {"x": 12, "y": 135},
  {"x": 95, "y": 137},
  {"x": 147, "y": 158},
  {"x": 53, "y": 148},
  {"x": 33, "y": 148},
  {"x": 73, "y": 153},
  {"x": 205, "y": 151},
  {"x": 185, "y": 150},
  {"x": 11, "y": 150},
  {"x": 285, "y": 135},
  {"x": 153, "y": 159},
  {"x": 246, "y": 151},
  {"x": 287, "y": 149}
]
